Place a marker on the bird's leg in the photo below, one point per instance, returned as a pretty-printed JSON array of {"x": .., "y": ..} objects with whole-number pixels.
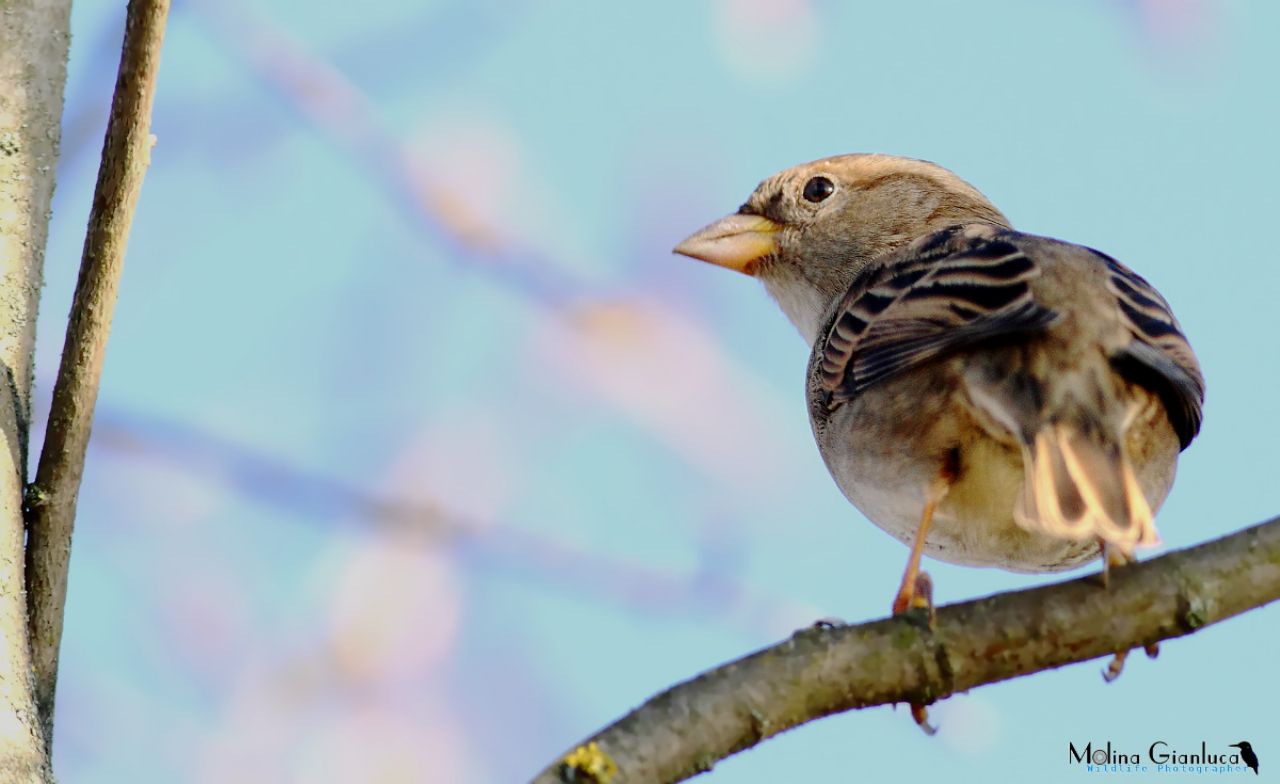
[
  {"x": 1112, "y": 556},
  {"x": 1106, "y": 564},
  {"x": 909, "y": 596},
  {"x": 916, "y": 591}
]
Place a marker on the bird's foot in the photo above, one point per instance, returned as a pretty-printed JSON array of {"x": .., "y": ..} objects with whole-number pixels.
[
  {"x": 916, "y": 594},
  {"x": 1112, "y": 557},
  {"x": 921, "y": 715},
  {"x": 1116, "y": 666}
]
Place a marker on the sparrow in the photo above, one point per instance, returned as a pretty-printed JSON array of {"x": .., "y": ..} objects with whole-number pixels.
[{"x": 988, "y": 397}]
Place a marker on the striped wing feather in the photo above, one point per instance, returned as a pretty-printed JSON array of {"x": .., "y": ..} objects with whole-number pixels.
[
  {"x": 939, "y": 299},
  {"x": 1159, "y": 358}
]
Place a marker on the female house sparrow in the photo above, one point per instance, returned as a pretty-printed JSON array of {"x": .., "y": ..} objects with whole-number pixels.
[{"x": 996, "y": 398}]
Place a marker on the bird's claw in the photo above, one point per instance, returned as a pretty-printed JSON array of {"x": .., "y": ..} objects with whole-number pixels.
[
  {"x": 916, "y": 595},
  {"x": 1116, "y": 667},
  {"x": 921, "y": 716}
]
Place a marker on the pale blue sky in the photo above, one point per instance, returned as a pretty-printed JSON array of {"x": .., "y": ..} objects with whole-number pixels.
[{"x": 287, "y": 297}]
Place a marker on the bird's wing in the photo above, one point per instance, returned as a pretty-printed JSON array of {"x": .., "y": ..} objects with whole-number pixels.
[
  {"x": 950, "y": 290},
  {"x": 1158, "y": 357}
]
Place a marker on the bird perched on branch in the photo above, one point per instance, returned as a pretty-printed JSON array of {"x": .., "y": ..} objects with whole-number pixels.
[{"x": 989, "y": 397}]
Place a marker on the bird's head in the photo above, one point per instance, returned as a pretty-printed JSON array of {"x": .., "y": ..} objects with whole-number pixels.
[
  {"x": 1242, "y": 745},
  {"x": 808, "y": 231}
]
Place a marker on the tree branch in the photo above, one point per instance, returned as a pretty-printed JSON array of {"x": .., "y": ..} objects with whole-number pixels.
[
  {"x": 34, "y": 38},
  {"x": 51, "y": 500},
  {"x": 821, "y": 671}
]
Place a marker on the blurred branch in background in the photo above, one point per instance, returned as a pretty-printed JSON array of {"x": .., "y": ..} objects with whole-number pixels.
[
  {"x": 546, "y": 559},
  {"x": 688, "y": 728},
  {"x": 611, "y": 349},
  {"x": 337, "y": 107}
]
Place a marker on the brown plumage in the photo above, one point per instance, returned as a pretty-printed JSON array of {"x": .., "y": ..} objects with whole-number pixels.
[{"x": 1002, "y": 399}]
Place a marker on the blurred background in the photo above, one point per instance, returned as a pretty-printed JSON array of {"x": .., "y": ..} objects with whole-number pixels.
[{"x": 419, "y": 457}]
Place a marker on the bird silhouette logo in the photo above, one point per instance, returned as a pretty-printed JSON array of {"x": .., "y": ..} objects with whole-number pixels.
[{"x": 1247, "y": 755}]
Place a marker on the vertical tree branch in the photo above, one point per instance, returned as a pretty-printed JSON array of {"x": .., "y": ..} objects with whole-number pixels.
[
  {"x": 34, "y": 39},
  {"x": 51, "y": 500}
]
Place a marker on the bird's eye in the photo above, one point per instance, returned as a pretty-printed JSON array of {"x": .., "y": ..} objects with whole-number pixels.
[{"x": 817, "y": 189}]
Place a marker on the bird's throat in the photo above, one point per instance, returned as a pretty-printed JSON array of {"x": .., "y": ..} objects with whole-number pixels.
[{"x": 803, "y": 303}]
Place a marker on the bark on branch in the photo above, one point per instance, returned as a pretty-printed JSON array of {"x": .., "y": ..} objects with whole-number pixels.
[
  {"x": 34, "y": 37},
  {"x": 821, "y": 671},
  {"x": 51, "y": 499}
]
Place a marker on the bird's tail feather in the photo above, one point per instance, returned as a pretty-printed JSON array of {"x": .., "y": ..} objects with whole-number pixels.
[{"x": 1080, "y": 485}]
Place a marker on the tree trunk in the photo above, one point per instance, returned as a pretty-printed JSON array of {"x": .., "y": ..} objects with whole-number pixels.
[{"x": 34, "y": 39}]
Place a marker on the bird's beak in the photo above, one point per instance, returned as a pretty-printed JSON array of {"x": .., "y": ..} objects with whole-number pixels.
[{"x": 735, "y": 241}]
